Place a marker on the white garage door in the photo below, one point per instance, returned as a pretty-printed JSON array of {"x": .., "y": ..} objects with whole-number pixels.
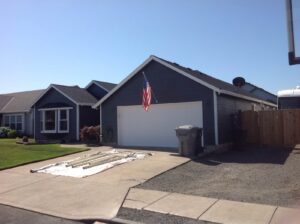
[{"x": 155, "y": 128}]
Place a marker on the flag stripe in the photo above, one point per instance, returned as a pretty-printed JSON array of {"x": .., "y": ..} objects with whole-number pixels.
[{"x": 146, "y": 95}]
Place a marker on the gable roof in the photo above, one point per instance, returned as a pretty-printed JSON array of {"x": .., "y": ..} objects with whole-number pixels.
[
  {"x": 107, "y": 86},
  {"x": 18, "y": 102},
  {"x": 77, "y": 95},
  {"x": 212, "y": 83}
]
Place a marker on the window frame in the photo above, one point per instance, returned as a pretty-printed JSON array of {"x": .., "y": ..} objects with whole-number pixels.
[
  {"x": 15, "y": 121},
  {"x": 57, "y": 120},
  {"x": 67, "y": 119}
]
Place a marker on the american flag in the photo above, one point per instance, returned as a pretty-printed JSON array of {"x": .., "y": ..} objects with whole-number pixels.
[{"x": 146, "y": 94}]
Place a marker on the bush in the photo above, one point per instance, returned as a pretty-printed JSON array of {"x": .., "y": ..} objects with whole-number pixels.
[
  {"x": 90, "y": 134},
  {"x": 4, "y": 132},
  {"x": 12, "y": 134}
]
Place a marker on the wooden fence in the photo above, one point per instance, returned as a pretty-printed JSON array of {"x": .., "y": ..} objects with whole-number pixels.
[{"x": 272, "y": 128}]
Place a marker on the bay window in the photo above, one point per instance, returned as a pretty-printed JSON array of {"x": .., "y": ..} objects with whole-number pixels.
[{"x": 54, "y": 120}]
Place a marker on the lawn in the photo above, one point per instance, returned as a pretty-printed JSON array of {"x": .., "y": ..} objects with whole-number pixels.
[{"x": 12, "y": 154}]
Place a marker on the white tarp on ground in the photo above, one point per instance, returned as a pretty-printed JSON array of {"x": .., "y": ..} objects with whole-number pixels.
[{"x": 65, "y": 169}]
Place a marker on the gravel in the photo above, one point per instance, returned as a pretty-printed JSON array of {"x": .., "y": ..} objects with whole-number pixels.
[
  {"x": 266, "y": 176},
  {"x": 149, "y": 217}
]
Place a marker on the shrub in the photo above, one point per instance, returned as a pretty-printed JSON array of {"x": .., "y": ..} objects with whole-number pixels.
[
  {"x": 89, "y": 134},
  {"x": 4, "y": 132},
  {"x": 12, "y": 134}
]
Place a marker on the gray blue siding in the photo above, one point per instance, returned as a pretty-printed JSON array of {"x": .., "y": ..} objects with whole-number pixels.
[
  {"x": 96, "y": 91},
  {"x": 54, "y": 99},
  {"x": 288, "y": 102},
  {"x": 88, "y": 116},
  {"x": 169, "y": 87}
]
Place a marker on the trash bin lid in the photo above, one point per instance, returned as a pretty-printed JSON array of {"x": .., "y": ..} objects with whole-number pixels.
[{"x": 186, "y": 127}]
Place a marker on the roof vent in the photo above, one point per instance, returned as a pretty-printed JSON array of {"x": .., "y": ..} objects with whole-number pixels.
[{"x": 238, "y": 81}]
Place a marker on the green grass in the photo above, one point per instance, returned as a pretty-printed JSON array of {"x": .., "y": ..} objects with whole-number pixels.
[{"x": 12, "y": 154}]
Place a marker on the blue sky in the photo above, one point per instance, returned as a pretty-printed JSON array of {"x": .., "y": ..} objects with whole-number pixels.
[{"x": 74, "y": 41}]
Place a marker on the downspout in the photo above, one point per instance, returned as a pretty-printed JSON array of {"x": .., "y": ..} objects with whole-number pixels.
[
  {"x": 101, "y": 136},
  {"x": 34, "y": 122},
  {"x": 77, "y": 121},
  {"x": 216, "y": 118}
]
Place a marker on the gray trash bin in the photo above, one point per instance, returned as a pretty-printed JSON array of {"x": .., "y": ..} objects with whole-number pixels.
[{"x": 189, "y": 139}]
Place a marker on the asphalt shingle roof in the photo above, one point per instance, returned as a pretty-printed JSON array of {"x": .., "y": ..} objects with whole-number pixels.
[
  {"x": 222, "y": 85},
  {"x": 18, "y": 102},
  {"x": 77, "y": 94},
  {"x": 107, "y": 85}
]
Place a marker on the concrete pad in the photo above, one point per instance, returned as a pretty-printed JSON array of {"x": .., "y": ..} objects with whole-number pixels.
[
  {"x": 10, "y": 181},
  {"x": 96, "y": 197},
  {"x": 232, "y": 212},
  {"x": 139, "y": 198},
  {"x": 182, "y": 205},
  {"x": 68, "y": 198},
  {"x": 286, "y": 215}
]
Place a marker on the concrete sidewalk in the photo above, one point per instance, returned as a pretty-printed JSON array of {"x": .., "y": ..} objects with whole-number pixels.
[
  {"x": 209, "y": 209},
  {"x": 95, "y": 197}
]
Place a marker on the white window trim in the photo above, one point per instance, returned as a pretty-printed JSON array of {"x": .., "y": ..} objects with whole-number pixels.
[
  {"x": 44, "y": 123},
  {"x": 56, "y": 108},
  {"x": 67, "y": 119},
  {"x": 9, "y": 115},
  {"x": 57, "y": 120}
]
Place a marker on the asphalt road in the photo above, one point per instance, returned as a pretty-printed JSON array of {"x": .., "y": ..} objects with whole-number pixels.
[{"x": 11, "y": 215}]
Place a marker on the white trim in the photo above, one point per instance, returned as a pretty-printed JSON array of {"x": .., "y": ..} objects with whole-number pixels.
[
  {"x": 123, "y": 82},
  {"x": 52, "y": 86},
  {"x": 100, "y": 137},
  {"x": 15, "y": 115},
  {"x": 77, "y": 122},
  {"x": 56, "y": 108},
  {"x": 186, "y": 74},
  {"x": 216, "y": 118},
  {"x": 97, "y": 84},
  {"x": 8, "y": 103},
  {"x": 247, "y": 98},
  {"x": 34, "y": 122},
  {"x": 153, "y": 58},
  {"x": 67, "y": 120},
  {"x": 69, "y": 98},
  {"x": 44, "y": 131}
]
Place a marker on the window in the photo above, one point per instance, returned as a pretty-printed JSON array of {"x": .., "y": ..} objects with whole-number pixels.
[
  {"x": 15, "y": 122},
  {"x": 50, "y": 120},
  {"x": 19, "y": 123},
  {"x": 54, "y": 120},
  {"x": 6, "y": 121},
  {"x": 63, "y": 121}
]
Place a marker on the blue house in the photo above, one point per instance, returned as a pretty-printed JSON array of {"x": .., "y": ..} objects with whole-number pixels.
[
  {"x": 181, "y": 96},
  {"x": 61, "y": 111}
]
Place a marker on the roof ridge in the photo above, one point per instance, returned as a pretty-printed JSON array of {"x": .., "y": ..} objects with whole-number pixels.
[{"x": 27, "y": 91}]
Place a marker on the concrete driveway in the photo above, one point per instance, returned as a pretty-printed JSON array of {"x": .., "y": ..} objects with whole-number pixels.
[{"x": 94, "y": 197}]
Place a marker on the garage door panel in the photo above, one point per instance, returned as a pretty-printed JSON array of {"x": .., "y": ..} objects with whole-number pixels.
[{"x": 155, "y": 128}]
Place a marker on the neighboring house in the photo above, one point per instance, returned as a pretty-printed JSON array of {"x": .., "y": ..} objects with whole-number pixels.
[
  {"x": 16, "y": 112},
  {"x": 62, "y": 111},
  {"x": 259, "y": 92},
  {"x": 99, "y": 89},
  {"x": 289, "y": 99},
  {"x": 183, "y": 96}
]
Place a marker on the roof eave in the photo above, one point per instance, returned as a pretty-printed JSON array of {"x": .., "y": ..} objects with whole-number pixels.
[{"x": 247, "y": 98}]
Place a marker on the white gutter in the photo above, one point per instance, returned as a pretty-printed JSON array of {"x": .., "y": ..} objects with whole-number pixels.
[
  {"x": 247, "y": 98},
  {"x": 216, "y": 118}
]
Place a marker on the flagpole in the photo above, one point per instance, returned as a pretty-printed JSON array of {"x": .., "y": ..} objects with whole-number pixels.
[{"x": 156, "y": 101}]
